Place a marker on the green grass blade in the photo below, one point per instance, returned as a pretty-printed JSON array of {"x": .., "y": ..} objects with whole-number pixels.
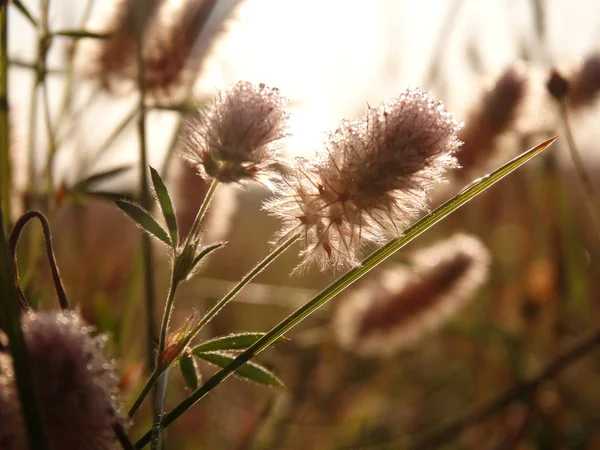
[{"x": 239, "y": 341}]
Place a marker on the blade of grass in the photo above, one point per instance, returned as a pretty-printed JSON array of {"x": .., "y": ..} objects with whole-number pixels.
[{"x": 377, "y": 257}]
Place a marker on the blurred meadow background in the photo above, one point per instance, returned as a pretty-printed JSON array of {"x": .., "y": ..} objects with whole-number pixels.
[{"x": 74, "y": 149}]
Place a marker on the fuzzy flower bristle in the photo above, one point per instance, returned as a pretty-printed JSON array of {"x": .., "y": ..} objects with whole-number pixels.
[
  {"x": 239, "y": 138},
  {"x": 369, "y": 182},
  {"x": 74, "y": 385},
  {"x": 495, "y": 113},
  {"x": 402, "y": 305}
]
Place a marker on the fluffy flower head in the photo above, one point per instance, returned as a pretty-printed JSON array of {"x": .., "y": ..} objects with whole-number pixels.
[
  {"x": 239, "y": 137},
  {"x": 74, "y": 385},
  {"x": 402, "y": 305},
  {"x": 370, "y": 181}
]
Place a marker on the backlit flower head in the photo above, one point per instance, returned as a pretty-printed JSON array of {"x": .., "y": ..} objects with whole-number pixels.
[
  {"x": 370, "y": 181},
  {"x": 240, "y": 137},
  {"x": 74, "y": 384},
  {"x": 401, "y": 305},
  {"x": 494, "y": 114}
]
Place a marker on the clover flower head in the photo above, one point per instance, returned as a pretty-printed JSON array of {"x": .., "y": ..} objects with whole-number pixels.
[
  {"x": 240, "y": 137},
  {"x": 398, "y": 308},
  {"x": 74, "y": 385},
  {"x": 370, "y": 180}
]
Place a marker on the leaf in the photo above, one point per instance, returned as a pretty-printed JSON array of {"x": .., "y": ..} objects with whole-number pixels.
[
  {"x": 187, "y": 366},
  {"x": 144, "y": 219},
  {"x": 21, "y": 7},
  {"x": 232, "y": 342},
  {"x": 249, "y": 370},
  {"x": 81, "y": 34},
  {"x": 205, "y": 251},
  {"x": 101, "y": 176},
  {"x": 166, "y": 205}
]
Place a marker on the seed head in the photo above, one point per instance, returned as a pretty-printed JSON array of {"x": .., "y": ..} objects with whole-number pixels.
[
  {"x": 584, "y": 85},
  {"x": 495, "y": 114},
  {"x": 370, "y": 181},
  {"x": 402, "y": 305},
  {"x": 74, "y": 385},
  {"x": 239, "y": 138}
]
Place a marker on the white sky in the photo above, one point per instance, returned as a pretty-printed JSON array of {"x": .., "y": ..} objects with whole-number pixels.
[{"x": 331, "y": 57}]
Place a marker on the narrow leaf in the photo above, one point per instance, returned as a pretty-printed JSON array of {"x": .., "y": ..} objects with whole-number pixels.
[
  {"x": 250, "y": 370},
  {"x": 80, "y": 34},
  {"x": 187, "y": 366},
  {"x": 144, "y": 219},
  {"x": 101, "y": 176},
  {"x": 166, "y": 205},
  {"x": 205, "y": 251},
  {"x": 232, "y": 342},
  {"x": 21, "y": 7}
]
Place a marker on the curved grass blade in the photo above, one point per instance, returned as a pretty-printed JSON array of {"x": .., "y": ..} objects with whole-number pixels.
[
  {"x": 377, "y": 257},
  {"x": 145, "y": 220},
  {"x": 249, "y": 370},
  {"x": 166, "y": 205},
  {"x": 232, "y": 342}
]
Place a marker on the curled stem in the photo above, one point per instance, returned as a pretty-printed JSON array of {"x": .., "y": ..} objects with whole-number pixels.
[{"x": 14, "y": 240}]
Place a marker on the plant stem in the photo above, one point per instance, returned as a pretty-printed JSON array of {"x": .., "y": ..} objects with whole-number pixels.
[
  {"x": 203, "y": 208},
  {"x": 149, "y": 384},
  {"x": 10, "y": 315},
  {"x": 161, "y": 393},
  {"x": 524, "y": 388},
  {"x": 212, "y": 312},
  {"x": 262, "y": 265},
  {"x": 591, "y": 199},
  {"x": 164, "y": 327},
  {"x": 377, "y": 257},
  {"x": 5, "y": 170},
  {"x": 145, "y": 197},
  {"x": 13, "y": 241}
]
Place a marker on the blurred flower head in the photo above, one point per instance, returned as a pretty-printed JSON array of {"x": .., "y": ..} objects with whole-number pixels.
[
  {"x": 371, "y": 180},
  {"x": 74, "y": 385},
  {"x": 240, "y": 137},
  {"x": 401, "y": 305}
]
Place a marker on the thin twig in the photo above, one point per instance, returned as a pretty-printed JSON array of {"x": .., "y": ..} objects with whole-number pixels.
[
  {"x": 14, "y": 240},
  {"x": 5, "y": 170},
  {"x": 523, "y": 389},
  {"x": 591, "y": 199}
]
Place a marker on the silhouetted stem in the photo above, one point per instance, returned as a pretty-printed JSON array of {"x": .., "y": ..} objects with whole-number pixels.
[
  {"x": 14, "y": 240},
  {"x": 5, "y": 172}
]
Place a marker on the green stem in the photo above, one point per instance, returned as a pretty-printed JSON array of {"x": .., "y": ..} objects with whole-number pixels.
[
  {"x": 347, "y": 279},
  {"x": 262, "y": 265},
  {"x": 145, "y": 390},
  {"x": 5, "y": 171},
  {"x": 203, "y": 208},
  {"x": 10, "y": 315},
  {"x": 212, "y": 312},
  {"x": 164, "y": 327}
]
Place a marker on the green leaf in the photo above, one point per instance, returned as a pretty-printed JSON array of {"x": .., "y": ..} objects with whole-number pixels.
[
  {"x": 21, "y": 7},
  {"x": 144, "y": 219},
  {"x": 81, "y": 34},
  {"x": 249, "y": 370},
  {"x": 187, "y": 366},
  {"x": 205, "y": 251},
  {"x": 101, "y": 176},
  {"x": 166, "y": 205},
  {"x": 232, "y": 342}
]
